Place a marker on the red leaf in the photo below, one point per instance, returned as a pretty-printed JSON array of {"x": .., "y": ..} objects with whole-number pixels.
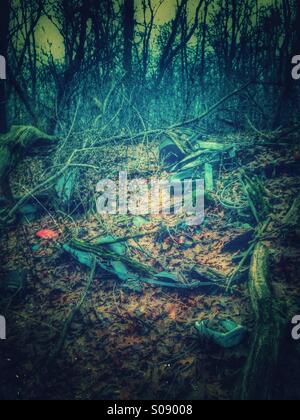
[{"x": 47, "y": 234}]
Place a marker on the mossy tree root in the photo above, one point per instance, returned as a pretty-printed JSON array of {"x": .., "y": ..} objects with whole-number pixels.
[
  {"x": 260, "y": 370},
  {"x": 14, "y": 147}
]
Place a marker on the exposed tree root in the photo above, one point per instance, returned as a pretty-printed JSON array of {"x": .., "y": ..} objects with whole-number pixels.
[
  {"x": 15, "y": 146},
  {"x": 260, "y": 369}
]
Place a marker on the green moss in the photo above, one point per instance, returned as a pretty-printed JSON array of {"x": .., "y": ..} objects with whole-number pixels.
[
  {"x": 23, "y": 136},
  {"x": 14, "y": 146}
]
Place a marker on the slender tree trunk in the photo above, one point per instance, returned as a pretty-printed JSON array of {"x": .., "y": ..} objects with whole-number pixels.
[
  {"x": 4, "y": 31},
  {"x": 290, "y": 48},
  {"x": 297, "y": 27},
  {"x": 128, "y": 23},
  {"x": 203, "y": 44}
]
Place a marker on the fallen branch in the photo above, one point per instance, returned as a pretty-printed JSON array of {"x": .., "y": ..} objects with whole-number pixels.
[
  {"x": 158, "y": 132},
  {"x": 15, "y": 145},
  {"x": 208, "y": 274},
  {"x": 104, "y": 254},
  {"x": 34, "y": 191},
  {"x": 212, "y": 109},
  {"x": 237, "y": 272},
  {"x": 189, "y": 286},
  {"x": 44, "y": 185},
  {"x": 257, "y": 196},
  {"x": 96, "y": 240}
]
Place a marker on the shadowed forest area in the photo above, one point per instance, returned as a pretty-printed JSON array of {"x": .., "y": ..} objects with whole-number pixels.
[{"x": 136, "y": 304}]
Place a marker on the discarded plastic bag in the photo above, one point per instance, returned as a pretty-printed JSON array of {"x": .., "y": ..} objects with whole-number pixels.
[
  {"x": 83, "y": 258},
  {"x": 233, "y": 337}
]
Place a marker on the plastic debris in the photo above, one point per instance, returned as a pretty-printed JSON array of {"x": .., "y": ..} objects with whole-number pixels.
[
  {"x": 234, "y": 335},
  {"x": 83, "y": 258}
]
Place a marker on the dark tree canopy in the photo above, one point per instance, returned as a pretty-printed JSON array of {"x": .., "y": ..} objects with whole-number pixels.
[{"x": 172, "y": 65}]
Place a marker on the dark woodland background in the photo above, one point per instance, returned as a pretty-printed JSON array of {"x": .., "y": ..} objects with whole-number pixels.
[
  {"x": 123, "y": 59},
  {"x": 129, "y": 84}
]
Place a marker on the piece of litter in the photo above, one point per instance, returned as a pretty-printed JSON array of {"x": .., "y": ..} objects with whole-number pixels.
[
  {"x": 47, "y": 234},
  {"x": 234, "y": 335}
]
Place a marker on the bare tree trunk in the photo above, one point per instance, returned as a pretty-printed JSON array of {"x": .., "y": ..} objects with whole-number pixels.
[
  {"x": 128, "y": 23},
  {"x": 4, "y": 31},
  {"x": 203, "y": 44},
  {"x": 297, "y": 27},
  {"x": 290, "y": 45},
  {"x": 170, "y": 50}
]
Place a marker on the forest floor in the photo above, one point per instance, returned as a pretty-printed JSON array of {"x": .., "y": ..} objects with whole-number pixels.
[{"x": 126, "y": 344}]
